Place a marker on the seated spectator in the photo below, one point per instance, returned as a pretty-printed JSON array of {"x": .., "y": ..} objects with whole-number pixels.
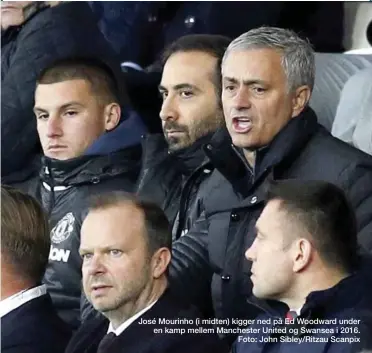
[
  {"x": 353, "y": 121},
  {"x": 76, "y": 108},
  {"x": 29, "y": 323},
  {"x": 34, "y": 35},
  {"x": 191, "y": 112},
  {"x": 267, "y": 78},
  {"x": 125, "y": 247},
  {"x": 305, "y": 263},
  {"x": 174, "y": 164}
]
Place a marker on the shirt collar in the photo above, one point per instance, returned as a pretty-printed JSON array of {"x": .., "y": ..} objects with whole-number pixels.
[
  {"x": 128, "y": 322},
  {"x": 15, "y": 301}
]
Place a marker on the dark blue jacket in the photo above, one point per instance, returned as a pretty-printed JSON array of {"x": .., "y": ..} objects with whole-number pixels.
[
  {"x": 350, "y": 300},
  {"x": 34, "y": 327}
]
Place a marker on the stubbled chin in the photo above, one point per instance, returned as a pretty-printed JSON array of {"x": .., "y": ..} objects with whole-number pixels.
[{"x": 240, "y": 140}]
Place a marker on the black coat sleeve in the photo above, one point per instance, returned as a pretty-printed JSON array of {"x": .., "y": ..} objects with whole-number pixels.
[
  {"x": 18, "y": 125},
  {"x": 190, "y": 272},
  {"x": 357, "y": 181}
]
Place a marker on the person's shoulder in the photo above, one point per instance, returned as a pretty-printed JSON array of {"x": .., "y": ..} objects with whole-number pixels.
[
  {"x": 38, "y": 310},
  {"x": 60, "y": 17},
  {"x": 358, "y": 321},
  {"x": 328, "y": 146},
  {"x": 361, "y": 78},
  {"x": 173, "y": 306},
  {"x": 62, "y": 10},
  {"x": 114, "y": 171},
  {"x": 181, "y": 328},
  {"x": 26, "y": 177},
  {"x": 89, "y": 333},
  {"x": 25, "y": 324}
]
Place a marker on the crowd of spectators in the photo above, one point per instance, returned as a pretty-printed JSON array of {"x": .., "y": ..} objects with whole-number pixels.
[{"x": 184, "y": 177}]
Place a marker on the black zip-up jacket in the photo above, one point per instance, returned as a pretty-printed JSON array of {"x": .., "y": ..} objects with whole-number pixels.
[
  {"x": 64, "y": 189},
  {"x": 173, "y": 181},
  {"x": 233, "y": 198}
]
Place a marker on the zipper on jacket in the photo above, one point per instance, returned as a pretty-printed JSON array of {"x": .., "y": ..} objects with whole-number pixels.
[
  {"x": 251, "y": 169},
  {"x": 184, "y": 200},
  {"x": 144, "y": 171},
  {"x": 51, "y": 200}
]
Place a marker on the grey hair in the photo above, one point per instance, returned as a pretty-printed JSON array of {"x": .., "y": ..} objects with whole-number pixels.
[{"x": 297, "y": 54}]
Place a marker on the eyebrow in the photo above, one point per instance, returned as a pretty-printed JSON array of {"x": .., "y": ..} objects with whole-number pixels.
[
  {"x": 178, "y": 87},
  {"x": 37, "y": 109},
  {"x": 245, "y": 82},
  {"x": 64, "y": 106}
]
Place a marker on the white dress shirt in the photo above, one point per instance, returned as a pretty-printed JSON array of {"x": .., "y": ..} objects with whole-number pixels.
[
  {"x": 15, "y": 301},
  {"x": 127, "y": 323}
]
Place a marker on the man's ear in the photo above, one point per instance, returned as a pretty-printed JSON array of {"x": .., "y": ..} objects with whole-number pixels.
[
  {"x": 112, "y": 116},
  {"x": 303, "y": 254},
  {"x": 160, "y": 262},
  {"x": 300, "y": 99}
]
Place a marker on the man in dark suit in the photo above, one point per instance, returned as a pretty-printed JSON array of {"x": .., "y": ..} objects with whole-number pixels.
[
  {"x": 125, "y": 247},
  {"x": 29, "y": 323}
]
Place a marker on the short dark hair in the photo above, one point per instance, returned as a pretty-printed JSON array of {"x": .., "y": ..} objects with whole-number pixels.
[
  {"x": 156, "y": 223},
  {"x": 98, "y": 73},
  {"x": 212, "y": 44},
  {"x": 25, "y": 238},
  {"x": 323, "y": 210}
]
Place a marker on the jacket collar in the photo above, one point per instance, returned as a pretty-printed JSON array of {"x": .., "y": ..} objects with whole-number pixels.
[
  {"x": 325, "y": 303},
  {"x": 127, "y": 133},
  {"x": 185, "y": 161},
  {"x": 282, "y": 150},
  {"x": 190, "y": 158},
  {"x": 89, "y": 169}
]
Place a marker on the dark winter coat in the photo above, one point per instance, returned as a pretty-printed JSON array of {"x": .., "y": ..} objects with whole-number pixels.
[
  {"x": 173, "y": 180},
  {"x": 34, "y": 327},
  {"x": 64, "y": 189},
  {"x": 234, "y": 197}
]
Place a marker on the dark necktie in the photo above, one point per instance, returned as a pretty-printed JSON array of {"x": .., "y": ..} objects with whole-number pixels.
[{"x": 106, "y": 342}]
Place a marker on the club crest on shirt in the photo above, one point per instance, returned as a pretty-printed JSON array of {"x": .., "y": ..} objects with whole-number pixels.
[{"x": 63, "y": 228}]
